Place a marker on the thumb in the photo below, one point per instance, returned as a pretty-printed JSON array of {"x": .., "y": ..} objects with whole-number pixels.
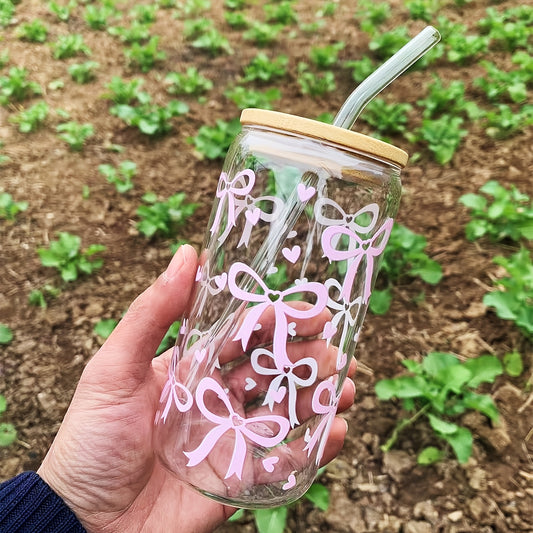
[{"x": 129, "y": 350}]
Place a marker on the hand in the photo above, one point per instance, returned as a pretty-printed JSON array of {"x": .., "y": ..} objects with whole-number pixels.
[{"x": 102, "y": 462}]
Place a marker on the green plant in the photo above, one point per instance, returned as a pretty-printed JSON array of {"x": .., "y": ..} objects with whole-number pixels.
[
  {"x": 188, "y": 82},
  {"x": 281, "y": 13},
  {"x": 510, "y": 29},
  {"x": 442, "y": 135},
  {"x": 150, "y": 119},
  {"x": 4, "y": 58},
  {"x": 213, "y": 141},
  {"x": 498, "y": 83},
  {"x": 38, "y": 297},
  {"x": 9, "y": 209},
  {"x": 503, "y": 122},
  {"x": 60, "y": 11},
  {"x": 387, "y": 118},
  {"x": 83, "y": 72},
  {"x": 197, "y": 27},
  {"x": 144, "y": 13},
  {"x": 163, "y": 217},
  {"x": 361, "y": 69},
  {"x": 326, "y": 56},
  {"x": 6, "y": 335},
  {"x": 315, "y": 84},
  {"x": 65, "y": 255},
  {"x": 8, "y": 433},
  {"x": 213, "y": 42},
  {"x": 462, "y": 48},
  {"x": 121, "y": 176},
  {"x": 75, "y": 134},
  {"x": 442, "y": 388},
  {"x": 34, "y": 31},
  {"x": 7, "y": 10},
  {"x": 244, "y": 98},
  {"x": 509, "y": 215},
  {"x": 388, "y": 43},
  {"x": 422, "y": 9},
  {"x": 15, "y": 87},
  {"x": 30, "y": 119},
  {"x": 404, "y": 255},
  {"x": 236, "y": 20},
  {"x": 513, "y": 295},
  {"x": 170, "y": 337},
  {"x": 372, "y": 14},
  {"x": 328, "y": 9},
  {"x": 126, "y": 92},
  {"x": 97, "y": 16},
  {"x": 135, "y": 33},
  {"x": 262, "y": 34},
  {"x": 264, "y": 69},
  {"x": 70, "y": 45},
  {"x": 193, "y": 8},
  {"x": 235, "y": 4},
  {"x": 512, "y": 363},
  {"x": 144, "y": 56},
  {"x": 104, "y": 327}
]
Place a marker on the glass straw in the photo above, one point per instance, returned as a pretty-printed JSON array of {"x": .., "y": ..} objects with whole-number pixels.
[{"x": 385, "y": 74}]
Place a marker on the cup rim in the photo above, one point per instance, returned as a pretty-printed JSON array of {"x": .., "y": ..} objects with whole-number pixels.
[{"x": 328, "y": 132}]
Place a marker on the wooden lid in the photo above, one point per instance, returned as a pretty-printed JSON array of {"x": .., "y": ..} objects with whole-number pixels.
[{"x": 326, "y": 132}]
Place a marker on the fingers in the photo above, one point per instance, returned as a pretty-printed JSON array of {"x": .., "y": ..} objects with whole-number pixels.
[{"x": 129, "y": 350}]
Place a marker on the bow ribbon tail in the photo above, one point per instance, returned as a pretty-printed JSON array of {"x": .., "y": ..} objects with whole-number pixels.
[
  {"x": 168, "y": 396},
  {"x": 239, "y": 453},
  {"x": 208, "y": 443},
  {"x": 272, "y": 389},
  {"x": 218, "y": 215},
  {"x": 291, "y": 399},
  {"x": 279, "y": 342},
  {"x": 253, "y": 314},
  {"x": 349, "y": 279}
]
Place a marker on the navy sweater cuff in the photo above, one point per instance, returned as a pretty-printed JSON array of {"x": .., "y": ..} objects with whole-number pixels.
[{"x": 29, "y": 505}]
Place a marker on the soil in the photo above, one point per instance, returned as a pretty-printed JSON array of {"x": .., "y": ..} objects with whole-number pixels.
[{"x": 370, "y": 490}]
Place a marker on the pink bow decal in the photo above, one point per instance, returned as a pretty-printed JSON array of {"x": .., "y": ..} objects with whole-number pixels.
[
  {"x": 368, "y": 248},
  {"x": 171, "y": 392},
  {"x": 328, "y": 410},
  {"x": 254, "y": 214},
  {"x": 284, "y": 373},
  {"x": 282, "y": 310},
  {"x": 256, "y": 429},
  {"x": 227, "y": 190}
]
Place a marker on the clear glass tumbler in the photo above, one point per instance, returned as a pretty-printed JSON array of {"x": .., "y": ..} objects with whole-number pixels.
[{"x": 302, "y": 214}]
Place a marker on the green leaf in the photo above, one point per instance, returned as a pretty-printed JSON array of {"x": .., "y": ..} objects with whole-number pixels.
[
  {"x": 461, "y": 443},
  {"x": 429, "y": 455},
  {"x": 434, "y": 362},
  {"x": 48, "y": 258},
  {"x": 401, "y": 387},
  {"x": 484, "y": 369},
  {"x": 318, "y": 495},
  {"x": 442, "y": 427},
  {"x": 8, "y": 434},
  {"x": 69, "y": 272},
  {"x": 6, "y": 335},
  {"x": 105, "y": 327},
  {"x": 380, "y": 301},
  {"x": 3, "y": 404},
  {"x": 482, "y": 403},
  {"x": 503, "y": 302},
  {"x": 513, "y": 364},
  {"x": 236, "y": 516},
  {"x": 271, "y": 520},
  {"x": 473, "y": 201},
  {"x": 454, "y": 377},
  {"x": 430, "y": 271}
]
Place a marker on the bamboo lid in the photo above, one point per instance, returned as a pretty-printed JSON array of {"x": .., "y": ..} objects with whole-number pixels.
[{"x": 327, "y": 132}]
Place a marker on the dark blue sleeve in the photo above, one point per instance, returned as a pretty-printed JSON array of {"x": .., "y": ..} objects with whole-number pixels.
[{"x": 29, "y": 505}]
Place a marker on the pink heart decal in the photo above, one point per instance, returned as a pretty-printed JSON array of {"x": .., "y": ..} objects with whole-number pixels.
[
  {"x": 329, "y": 330},
  {"x": 305, "y": 193},
  {"x": 269, "y": 462},
  {"x": 272, "y": 270},
  {"x": 279, "y": 394},
  {"x": 252, "y": 215},
  {"x": 291, "y": 482},
  {"x": 293, "y": 254},
  {"x": 249, "y": 384},
  {"x": 221, "y": 280},
  {"x": 291, "y": 329},
  {"x": 200, "y": 354},
  {"x": 341, "y": 361}
]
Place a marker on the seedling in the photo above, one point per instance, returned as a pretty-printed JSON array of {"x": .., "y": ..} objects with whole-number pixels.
[
  {"x": 9, "y": 209},
  {"x": 193, "y": 8},
  {"x": 244, "y": 98},
  {"x": 60, "y": 11},
  {"x": 510, "y": 29},
  {"x": 262, "y": 34},
  {"x": 4, "y": 58},
  {"x": 387, "y": 118},
  {"x": 372, "y": 14},
  {"x": 163, "y": 218},
  {"x": 442, "y": 388},
  {"x": 315, "y": 84},
  {"x": 498, "y": 83},
  {"x": 189, "y": 82},
  {"x": 65, "y": 255},
  {"x": 151, "y": 119},
  {"x": 34, "y": 31},
  {"x": 15, "y": 87},
  {"x": 213, "y": 42},
  {"x": 6, "y": 336},
  {"x": 404, "y": 255},
  {"x": 103, "y": 328},
  {"x": 326, "y": 56},
  {"x": 7, "y": 10},
  {"x": 361, "y": 69},
  {"x": 144, "y": 13},
  {"x": 508, "y": 216},
  {"x": 135, "y": 33},
  {"x": 512, "y": 298},
  {"x": 70, "y": 45},
  {"x": 144, "y": 56},
  {"x": 213, "y": 141},
  {"x": 195, "y": 28},
  {"x": 126, "y": 92},
  {"x": 512, "y": 363},
  {"x": 264, "y": 69},
  {"x": 121, "y": 176},
  {"x": 281, "y": 13},
  {"x": 463, "y": 48},
  {"x": 8, "y": 433},
  {"x": 97, "y": 16},
  {"x": 236, "y": 20},
  {"x": 504, "y": 122},
  {"x": 328, "y": 9},
  {"x": 83, "y": 72},
  {"x": 387, "y": 44},
  {"x": 38, "y": 297},
  {"x": 30, "y": 119},
  {"x": 422, "y": 9},
  {"x": 235, "y": 4},
  {"x": 75, "y": 134}
]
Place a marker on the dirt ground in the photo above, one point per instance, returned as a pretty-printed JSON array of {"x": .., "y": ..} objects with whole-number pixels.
[{"x": 370, "y": 491}]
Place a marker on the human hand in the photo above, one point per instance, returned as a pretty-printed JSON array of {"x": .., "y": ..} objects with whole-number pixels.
[{"x": 102, "y": 462}]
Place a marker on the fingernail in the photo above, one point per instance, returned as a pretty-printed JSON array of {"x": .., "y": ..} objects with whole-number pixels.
[{"x": 175, "y": 264}]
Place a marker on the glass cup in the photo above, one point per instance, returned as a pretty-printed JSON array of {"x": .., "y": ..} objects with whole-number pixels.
[{"x": 302, "y": 214}]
